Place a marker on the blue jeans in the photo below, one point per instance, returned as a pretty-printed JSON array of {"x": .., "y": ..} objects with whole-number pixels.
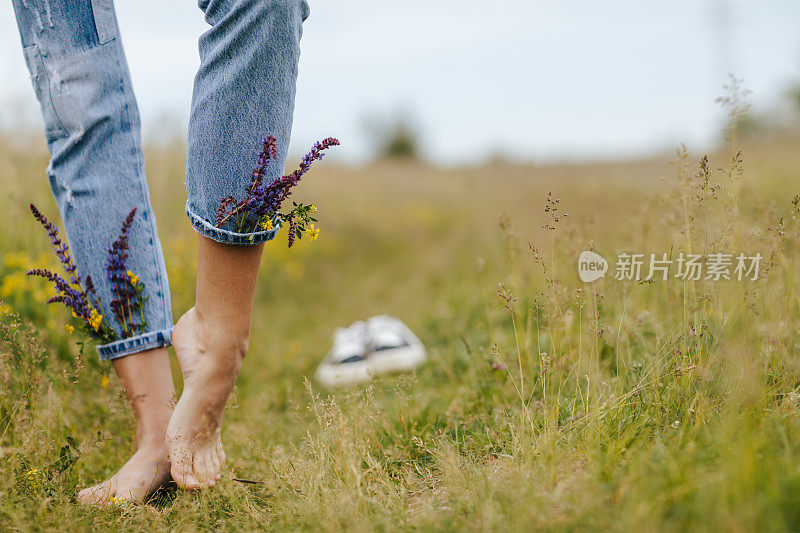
[{"x": 243, "y": 91}]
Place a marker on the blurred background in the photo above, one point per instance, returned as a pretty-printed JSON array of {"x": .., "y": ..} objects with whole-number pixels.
[{"x": 465, "y": 81}]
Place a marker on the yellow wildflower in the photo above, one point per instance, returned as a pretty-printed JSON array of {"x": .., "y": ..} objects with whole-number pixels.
[
  {"x": 17, "y": 260},
  {"x": 313, "y": 232},
  {"x": 134, "y": 279},
  {"x": 32, "y": 475},
  {"x": 95, "y": 319},
  {"x": 123, "y": 504},
  {"x": 267, "y": 225},
  {"x": 313, "y": 209},
  {"x": 13, "y": 284},
  {"x": 69, "y": 329},
  {"x": 104, "y": 381}
]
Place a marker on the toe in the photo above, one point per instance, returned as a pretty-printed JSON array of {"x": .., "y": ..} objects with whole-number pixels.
[
  {"x": 211, "y": 470},
  {"x": 186, "y": 481},
  {"x": 216, "y": 468},
  {"x": 190, "y": 483},
  {"x": 95, "y": 494},
  {"x": 182, "y": 472},
  {"x": 83, "y": 495},
  {"x": 86, "y": 496},
  {"x": 200, "y": 471},
  {"x": 221, "y": 455}
]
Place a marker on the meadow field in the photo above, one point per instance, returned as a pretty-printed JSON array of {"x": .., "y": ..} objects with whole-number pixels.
[{"x": 546, "y": 403}]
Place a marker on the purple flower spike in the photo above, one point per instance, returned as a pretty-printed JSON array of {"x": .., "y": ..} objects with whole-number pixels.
[
  {"x": 61, "y": 249},
  {"x": 89, "y": 284},
  {"x": 127, "y": 303},
  {"x": 265, "y": 200},
  {"x": 292, "y": 231},
  {"x": 269, "y": 151},
  {"x": 74, "y": 299},
  {"x": 223, "y": 205},
  {"x": 260, "y": 210},
  {"x": 86, "y": 304}
]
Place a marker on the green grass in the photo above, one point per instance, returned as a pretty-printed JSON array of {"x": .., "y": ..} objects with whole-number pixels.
[{"x": 546, "y": 403}]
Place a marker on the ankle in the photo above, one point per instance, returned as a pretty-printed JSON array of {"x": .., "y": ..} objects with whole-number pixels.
[
  {"x": 225, "y": 336},
  {"x": 153, "y": 445}
]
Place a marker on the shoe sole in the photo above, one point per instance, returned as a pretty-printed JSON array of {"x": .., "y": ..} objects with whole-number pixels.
[
  {"x": 339, "y": 375},
  {"x": 394, "y": 360},
  {"x": 397, "y": 359}
]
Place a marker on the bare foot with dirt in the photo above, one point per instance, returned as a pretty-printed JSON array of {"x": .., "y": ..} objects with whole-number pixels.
[
  {"x": 142, "y": 475},
  {"x": 210, "y": 364},
  {"x": 146, "y": 379}
]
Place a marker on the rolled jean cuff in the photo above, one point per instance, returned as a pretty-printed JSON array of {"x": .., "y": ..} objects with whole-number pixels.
[
  {"x": 132, "y": 345},
  {"x": 204, "y": 227}
]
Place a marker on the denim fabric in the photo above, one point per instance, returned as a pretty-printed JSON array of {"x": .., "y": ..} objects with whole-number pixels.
[
  {"x": 96, "y": 170},
  {"x": 243, "y": 91}
]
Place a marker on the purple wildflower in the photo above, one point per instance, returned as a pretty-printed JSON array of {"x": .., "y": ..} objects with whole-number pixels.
[
  {"x": 86, "y": 304},
  {"x": 74, "y": 299},
  {"x": 261, "y": 199},
  {"x": 223, "y": 205},
  {"x": 89, "y": 284},
  {"x": 292, "y": 231},
  {"x": 314, "y": 155},
  {"x": 123, "y": 305},
  {"x": 280, "y": 189},
  {"x": 61, "y": 248},
  {"x": 269, "y": 151}
]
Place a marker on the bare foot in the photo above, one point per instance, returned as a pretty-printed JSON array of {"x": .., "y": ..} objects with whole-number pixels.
[
  {"x": 147, "y": 380},
  {"x": 145, "y": 472},
  {"x": 210, "y": 363}
]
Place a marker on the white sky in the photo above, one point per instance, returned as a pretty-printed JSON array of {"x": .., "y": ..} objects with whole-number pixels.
[{"x": 535, "y": 80}]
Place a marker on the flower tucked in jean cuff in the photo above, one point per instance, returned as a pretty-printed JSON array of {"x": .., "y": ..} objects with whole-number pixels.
[
  {"x": 132, "y": 345},
  {"x": 224, "y": 236}
]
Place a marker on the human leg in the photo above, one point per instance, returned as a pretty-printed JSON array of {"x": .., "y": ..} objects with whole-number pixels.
[
  {"x": 244, "y": 91},
  {"x": 147, "y": 380},
  {"x": 211, "y": 341},
  {"x": 80, "y": 76}
]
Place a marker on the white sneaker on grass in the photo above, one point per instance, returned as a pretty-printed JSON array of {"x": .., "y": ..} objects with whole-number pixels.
[
  {"x": 393, "y": 346},
  {"x": 347, "y": 361},
  {"x": 381, "y": 345}
]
